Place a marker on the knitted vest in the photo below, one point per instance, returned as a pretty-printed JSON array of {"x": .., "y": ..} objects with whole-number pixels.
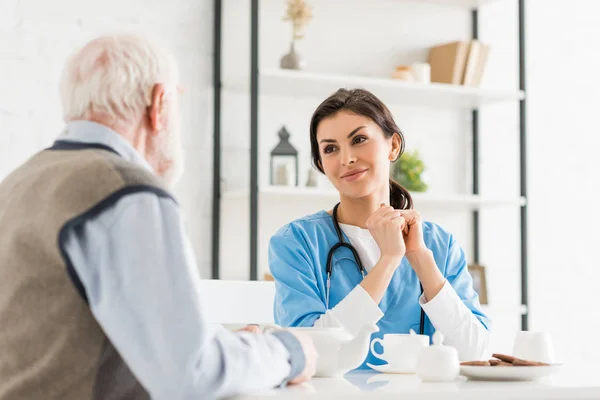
[{"x": 51, "y": 347}]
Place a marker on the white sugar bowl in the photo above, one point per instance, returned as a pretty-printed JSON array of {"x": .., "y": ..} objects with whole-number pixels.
[{"x": 438, "y": 363}]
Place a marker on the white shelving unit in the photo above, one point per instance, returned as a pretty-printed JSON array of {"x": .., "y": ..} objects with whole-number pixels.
[
  {"x": 318, "y": 85},
  {"x": 459, "y": 202},
  {"x": 278, "y": 202},
  {"x": 469, "y": 4}
]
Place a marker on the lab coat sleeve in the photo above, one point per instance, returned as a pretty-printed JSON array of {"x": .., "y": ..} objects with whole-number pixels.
[
  {"x": 299, "y": 301},
  {"x": 456, "y": 311}
]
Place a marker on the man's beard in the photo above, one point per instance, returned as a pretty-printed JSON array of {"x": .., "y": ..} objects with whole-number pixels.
[{"x": 170, "y": 156}]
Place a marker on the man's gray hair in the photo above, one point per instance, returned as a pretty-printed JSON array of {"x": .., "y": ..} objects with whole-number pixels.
[{"x": 113, "y": 76}]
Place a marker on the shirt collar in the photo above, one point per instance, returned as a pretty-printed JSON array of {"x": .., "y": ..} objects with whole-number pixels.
[{"x": 93, "y": 132}]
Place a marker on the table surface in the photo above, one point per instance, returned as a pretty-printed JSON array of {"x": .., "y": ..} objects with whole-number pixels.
[{"x": 582, "y": 382}]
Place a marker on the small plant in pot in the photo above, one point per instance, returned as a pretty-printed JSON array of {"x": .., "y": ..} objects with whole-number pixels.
[{"x": 410, "y": 171}]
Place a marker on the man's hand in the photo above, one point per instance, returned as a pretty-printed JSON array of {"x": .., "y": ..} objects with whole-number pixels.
[
  {"x": 308, "y": 347},
  {"x": 310, "y": 356},
  {"x": 252, "y": 328}
]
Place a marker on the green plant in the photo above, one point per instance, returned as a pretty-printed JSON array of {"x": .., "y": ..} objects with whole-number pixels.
[{"x": 409, "y": 171}]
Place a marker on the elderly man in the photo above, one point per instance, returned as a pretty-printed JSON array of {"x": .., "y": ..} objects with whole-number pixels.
[{"x": 99, "y": 291}]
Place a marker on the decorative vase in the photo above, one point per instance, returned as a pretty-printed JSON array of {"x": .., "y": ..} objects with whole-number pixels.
[{"x": 292, "y": 60}]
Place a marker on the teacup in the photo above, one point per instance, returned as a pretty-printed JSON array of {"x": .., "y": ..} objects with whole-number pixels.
[
  {"x": 400, "y": 350},
  {"x": 534, "y": 346}
]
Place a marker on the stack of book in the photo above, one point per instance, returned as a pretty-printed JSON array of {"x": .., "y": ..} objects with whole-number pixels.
[{"x": 458, "y": 63}]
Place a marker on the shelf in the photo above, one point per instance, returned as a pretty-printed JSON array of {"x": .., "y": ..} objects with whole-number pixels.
[
  {"x": 317, "y": 85},
  {"x": 421, "y": 200},
  {"x": 468, "y": 4}
]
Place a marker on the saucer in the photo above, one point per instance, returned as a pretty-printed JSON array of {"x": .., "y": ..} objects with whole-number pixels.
[
  {"x": 388, "y": 369},
  {"x": 484, "y": 373}
]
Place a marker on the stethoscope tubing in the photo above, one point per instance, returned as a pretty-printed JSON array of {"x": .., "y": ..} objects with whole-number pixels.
[{"x": 329, "y": 266}]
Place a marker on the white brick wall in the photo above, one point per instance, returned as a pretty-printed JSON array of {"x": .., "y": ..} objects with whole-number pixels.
[{"x": 37, "y": 35}]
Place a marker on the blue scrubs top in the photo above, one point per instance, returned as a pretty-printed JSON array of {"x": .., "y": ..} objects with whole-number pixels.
[{"x": 297, "y": 260}]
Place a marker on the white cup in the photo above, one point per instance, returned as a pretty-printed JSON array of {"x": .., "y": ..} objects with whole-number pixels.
[
  {"x": 401, "y": 351},
  {"x": 534, "y": 346},
  {"x": 421, "y": 72}
]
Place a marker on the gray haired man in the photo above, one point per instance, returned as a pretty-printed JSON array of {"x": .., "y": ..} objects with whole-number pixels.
[{"x": 99, "y": 291}]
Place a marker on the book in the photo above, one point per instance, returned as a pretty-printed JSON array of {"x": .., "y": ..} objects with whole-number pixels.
[
  {"x": 472, "y": 61},
  {"x": 448, "y": 62},
  {"x": 481, "y": 63}
]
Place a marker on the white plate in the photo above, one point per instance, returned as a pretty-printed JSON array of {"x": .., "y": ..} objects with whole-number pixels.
[
  {"x": 387, "y": 369},
  {"x": 483, "y": 373}
]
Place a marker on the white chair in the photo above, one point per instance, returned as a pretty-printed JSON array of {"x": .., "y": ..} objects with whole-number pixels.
[{"x": 238, "y": 302}]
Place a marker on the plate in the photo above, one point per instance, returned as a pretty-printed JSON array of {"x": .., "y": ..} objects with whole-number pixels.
[
  {"x": 388, "y": 369},
  {"x": 484, "y": 373}
]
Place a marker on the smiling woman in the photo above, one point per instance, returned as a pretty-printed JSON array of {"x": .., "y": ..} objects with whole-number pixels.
[
  {"x": 371, "y": 259},
  {"x": 362, "y": 116}
]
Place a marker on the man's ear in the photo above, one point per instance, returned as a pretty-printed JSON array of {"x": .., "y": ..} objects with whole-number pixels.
[{"x": 155, "y": 111}]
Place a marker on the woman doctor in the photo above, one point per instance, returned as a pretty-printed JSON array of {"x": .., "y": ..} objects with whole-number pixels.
[{"x": 404, "y": 273}]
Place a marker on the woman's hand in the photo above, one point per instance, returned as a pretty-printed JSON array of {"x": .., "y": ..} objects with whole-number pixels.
[
  {"x": 420, "y": 257},
  {"x": 386, "y": 225},
  {"x": 413, "y": 232}
]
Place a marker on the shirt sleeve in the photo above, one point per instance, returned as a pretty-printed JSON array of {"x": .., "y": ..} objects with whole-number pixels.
[
  {"x": 298, "y": 300},
  {"x": 455, "y": 310},
  {"x": 140, "y": 277}
]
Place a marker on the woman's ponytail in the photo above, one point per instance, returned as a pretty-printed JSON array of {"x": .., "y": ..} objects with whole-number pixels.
[{"x": 400, "y": 199}]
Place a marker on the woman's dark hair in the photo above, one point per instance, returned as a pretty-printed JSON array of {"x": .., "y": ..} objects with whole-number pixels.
[{"x": 361, "y": 102}]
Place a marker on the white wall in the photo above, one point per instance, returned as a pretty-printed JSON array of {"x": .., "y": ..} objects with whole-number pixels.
[
  {"x": 35, "y": 38},
  {"x": 564, "y": 164}
]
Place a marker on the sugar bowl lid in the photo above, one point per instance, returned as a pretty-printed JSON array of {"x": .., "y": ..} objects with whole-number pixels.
[{"x": 438, "y": 348}]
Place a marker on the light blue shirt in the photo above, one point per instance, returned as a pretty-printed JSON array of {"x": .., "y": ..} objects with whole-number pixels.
[
  {"x": 141, "y": 280},
  {"x": 297, "y": 259}
]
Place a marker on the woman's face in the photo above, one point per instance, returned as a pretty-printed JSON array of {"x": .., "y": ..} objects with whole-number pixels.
[{"x": 355, "y": 154}]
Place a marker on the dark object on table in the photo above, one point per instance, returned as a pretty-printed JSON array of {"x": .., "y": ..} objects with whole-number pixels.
[{"x": 503, "y": 360}]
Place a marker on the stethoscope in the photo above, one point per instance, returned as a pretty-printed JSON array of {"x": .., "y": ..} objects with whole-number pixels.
[{"x": 329, "y": 266}]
